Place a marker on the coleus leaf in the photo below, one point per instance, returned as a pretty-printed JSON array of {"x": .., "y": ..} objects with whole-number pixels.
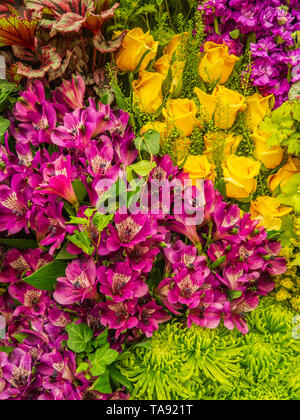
[
  {"x": 16, "y": 31},
  {"x": 107, "y": 46},
  {"x": 49, "y": 60}
]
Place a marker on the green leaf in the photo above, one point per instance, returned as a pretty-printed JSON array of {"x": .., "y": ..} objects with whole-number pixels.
[
  {"x": 77, "y": 221},
  {"x": 89, "y": 212},
  {"x": 79, "y": 337},
  {"x": 101, "y": 221},
  {"x": 296, "y": 261},
  {"x": 235, "y": 34},
  {"x": 19, "y": 243},
  {"x": 102, "y": 384},
  {"x": 221, "y": 187},
  {"x": 142, "y": 168},
  {"x": 120, "y": 379},
  {"x": 234, "y": 294},
  {"x": 218, "y": 262},
  {"x": 64, "y": 254},
  {"x": 82, "y": 367},
  {"x": 101, "y": 340},
  {"x": 82, "y": 240},
  {"x": 4, "y": 124},
  {"x": 45, "y": 278},
  {"x": 6, "y": 349},
  {"x": 79, "y": 189},
  {"x": 149, "y": 142},
  {"x": 101, "y": 358}
]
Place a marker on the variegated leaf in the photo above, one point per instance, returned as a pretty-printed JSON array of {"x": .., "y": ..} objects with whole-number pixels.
[{"x": 16, "y": 31}]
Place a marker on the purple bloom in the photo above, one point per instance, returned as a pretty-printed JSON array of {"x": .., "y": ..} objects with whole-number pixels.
[
  {"x": 121, "y": 283},
  {"x": 119, "y": 316},
  {"x": 17, "y": 373},
  {"x": 33, "y": 301},
  {"x": 130, "y": 230},
  {"x": 71, "y": 93},
  {"x": 79, "y": 284},
  {"x": 150, "y": 316}
]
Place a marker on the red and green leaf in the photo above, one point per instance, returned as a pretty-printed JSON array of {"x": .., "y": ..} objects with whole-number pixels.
[
  {"x": 108, "y": 46},
  {"x": 49, "y": 60},
  {"x": 18, "y": 32}
]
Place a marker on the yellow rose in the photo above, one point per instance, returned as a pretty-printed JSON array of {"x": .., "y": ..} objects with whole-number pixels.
[
  {"x": 268, "y": 211},
  {"x": 221, "y": 143},
  {"x": 133, "y": 47},
  {"x": 147, "y": 91},
  {"x": 199, "y": 167},
  {"x": 177, "y": 41},
  {"x": 208, "y": 104},
  {"x": 217, "y": 64},
  {"x": 239, "y": 173},
  {"x": 291, "y": 168},
  {"x": 258, "y": 107},
  {"x": 181, "y": 114},
  {"x": 162, "y": 65},
  {"x": 271, "y": 157},
  {"x": 229, "y": 103}
]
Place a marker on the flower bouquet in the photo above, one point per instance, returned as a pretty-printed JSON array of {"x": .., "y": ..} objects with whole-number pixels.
[{"x": 149, "y": 200}]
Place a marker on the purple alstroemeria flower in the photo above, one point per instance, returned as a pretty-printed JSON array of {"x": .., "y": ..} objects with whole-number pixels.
[
  {"x": 233, "y": 312},
  {"x": 79, "y": 284},
  {"x": 77, "y": 129},
  {"x": 33, "y": 301},
  {"x": 14, "y": 212},
  {"x": 141, "y": 256},
  {"x": 19, "y": 264},
  {"x": 71, "y": 93},
  {"x": 51, "y": 225},
  {"x": 150, "y": 316},
  {"x": 124, "y": 148},
  {"x": 17, "y": 373},
  {"x": 235, "y": 279},
  {"x": 3, "y": 362},
  {"x": 227, "y": 218},
  {"x": 187, "y": 288},
  {"x": 59, "y": 180},
  {"x": 99, "y": 156},
  {"x": 121, "y": 283},
  {"x": 207, "y": 314},
  {"x": 130, "y": 230},
  {"x": 57, "y": 368},
  {"x": 55, "y": 328},
  {"x": 119, "y": 315}
]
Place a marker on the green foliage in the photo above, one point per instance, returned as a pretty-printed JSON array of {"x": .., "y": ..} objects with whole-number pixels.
[
  {"x": 79, "y": 337},
  {"x": 191, "y": 78},
  {"x": 45, "y": 278},
  {"x": 8, "y": 95},
  {"x": 196, "y": 363},
  {"x": 284, "y": 127},
  {"x": 291, "y": 193}
]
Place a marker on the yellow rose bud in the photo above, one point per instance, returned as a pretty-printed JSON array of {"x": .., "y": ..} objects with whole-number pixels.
[
  {"x": 221, "y": 143},
  {"x": 217, "y": 64},
  {"x": 208, "y": 104},
  {"x": 239, "y": 173},
  {"x": 258, "y": 107},
  {"x": 199, "y": 167},
  {"x": 147, "y": 91},
  {"x": 133, "y": 47},
  {"x": 291, "y": 168},
  {"x": 229, "y": 103},
  {"x": 162, "y": 65},
  {"x": 268, "y": 211},
  {"x": 271, "y": 157},
  {"x": 181, "y": 114},
  {"x": 177, "y": 44}
]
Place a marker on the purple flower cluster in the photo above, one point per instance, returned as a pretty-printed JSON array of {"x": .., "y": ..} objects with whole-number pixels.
[
  {"x": 139, "y": 271},
  {"x": 271, "y": 26}
]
